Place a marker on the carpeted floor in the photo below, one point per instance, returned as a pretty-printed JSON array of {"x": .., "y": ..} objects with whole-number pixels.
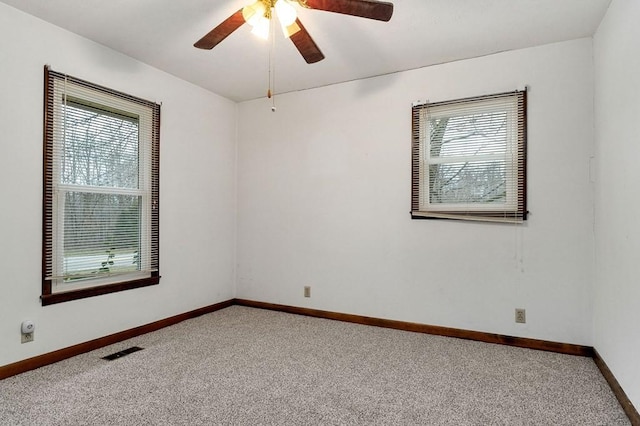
[{"x": 244, "y": 366}]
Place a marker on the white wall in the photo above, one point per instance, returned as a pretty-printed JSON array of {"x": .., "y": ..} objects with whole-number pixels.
[
  {"x": 617, "y": 290},
  {"x": 324, "y": 197},
  {"x": 197, "y": 195}
]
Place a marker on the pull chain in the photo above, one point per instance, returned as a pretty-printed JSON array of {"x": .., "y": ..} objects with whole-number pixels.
[{"x": 272, "y": 66}]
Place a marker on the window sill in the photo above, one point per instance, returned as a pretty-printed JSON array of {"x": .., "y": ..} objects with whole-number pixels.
[
  {"x": 66, "y": 296},
  {"x": 479, "y": 216}
]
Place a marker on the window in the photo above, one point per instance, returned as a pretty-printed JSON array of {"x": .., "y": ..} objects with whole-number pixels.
[
  {"x": 101, "y": 190},
  {"x": 469, "y": 159}
]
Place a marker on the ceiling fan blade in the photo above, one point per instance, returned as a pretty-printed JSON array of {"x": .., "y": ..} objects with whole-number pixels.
[
  {"x": 305, "y": 44},
  {"x": 221, "y": 32},
  {"x": 372, "y": 9}
]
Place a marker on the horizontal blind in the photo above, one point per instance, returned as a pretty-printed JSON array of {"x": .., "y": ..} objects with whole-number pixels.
[
  {"x": 101, "y": 182},
  {"x": 469, "y": 158}
]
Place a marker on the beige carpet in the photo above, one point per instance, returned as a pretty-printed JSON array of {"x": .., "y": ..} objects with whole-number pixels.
[{"x": 244, "y": 366}]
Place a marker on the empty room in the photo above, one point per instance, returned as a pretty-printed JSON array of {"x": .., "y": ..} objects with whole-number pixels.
[{"x": 319, "y": 212}]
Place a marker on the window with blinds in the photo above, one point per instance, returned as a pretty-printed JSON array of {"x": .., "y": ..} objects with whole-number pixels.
[
  {"x": 101, "y": 190},
  {"x": 469, "y": 159}
]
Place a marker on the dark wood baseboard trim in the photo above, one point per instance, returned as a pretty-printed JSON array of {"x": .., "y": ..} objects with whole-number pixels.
[
  {"x": 52, "y": 357},
  {"x": 563, "y": 348},
  {"x": 623, "y": 399}
]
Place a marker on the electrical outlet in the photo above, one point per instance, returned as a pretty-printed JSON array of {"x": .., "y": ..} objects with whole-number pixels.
[
  {"x": 27, "y": 337},
  {"x": 307, "y": 291},
  {"x": 521, "y": 316}
]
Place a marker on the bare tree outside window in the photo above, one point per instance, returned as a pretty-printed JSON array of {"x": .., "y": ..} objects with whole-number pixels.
[
  {"x": 468, "y": 181},
  {"x": 101, "y": 230}
]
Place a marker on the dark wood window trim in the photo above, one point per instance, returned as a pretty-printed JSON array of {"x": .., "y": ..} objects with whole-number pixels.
[
  {"x": 517, "y": 215},
  {"x": 48, "y": 296}
]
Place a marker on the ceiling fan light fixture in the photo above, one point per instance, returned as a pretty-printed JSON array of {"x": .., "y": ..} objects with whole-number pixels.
[
  {"x": 261, "y": 28},
  {"x": 253, "y": 13},
  {"x": 286, "y": 13}
]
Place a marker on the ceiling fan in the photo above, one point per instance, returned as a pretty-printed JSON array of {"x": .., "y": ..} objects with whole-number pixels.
[{"x": 260, "y": 13}]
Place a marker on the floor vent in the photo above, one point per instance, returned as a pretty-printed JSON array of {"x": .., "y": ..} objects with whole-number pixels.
[{"x": 122, "y": 353}]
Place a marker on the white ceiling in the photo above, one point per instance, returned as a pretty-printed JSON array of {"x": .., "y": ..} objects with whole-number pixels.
[{"x": 421, "y": 32}]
